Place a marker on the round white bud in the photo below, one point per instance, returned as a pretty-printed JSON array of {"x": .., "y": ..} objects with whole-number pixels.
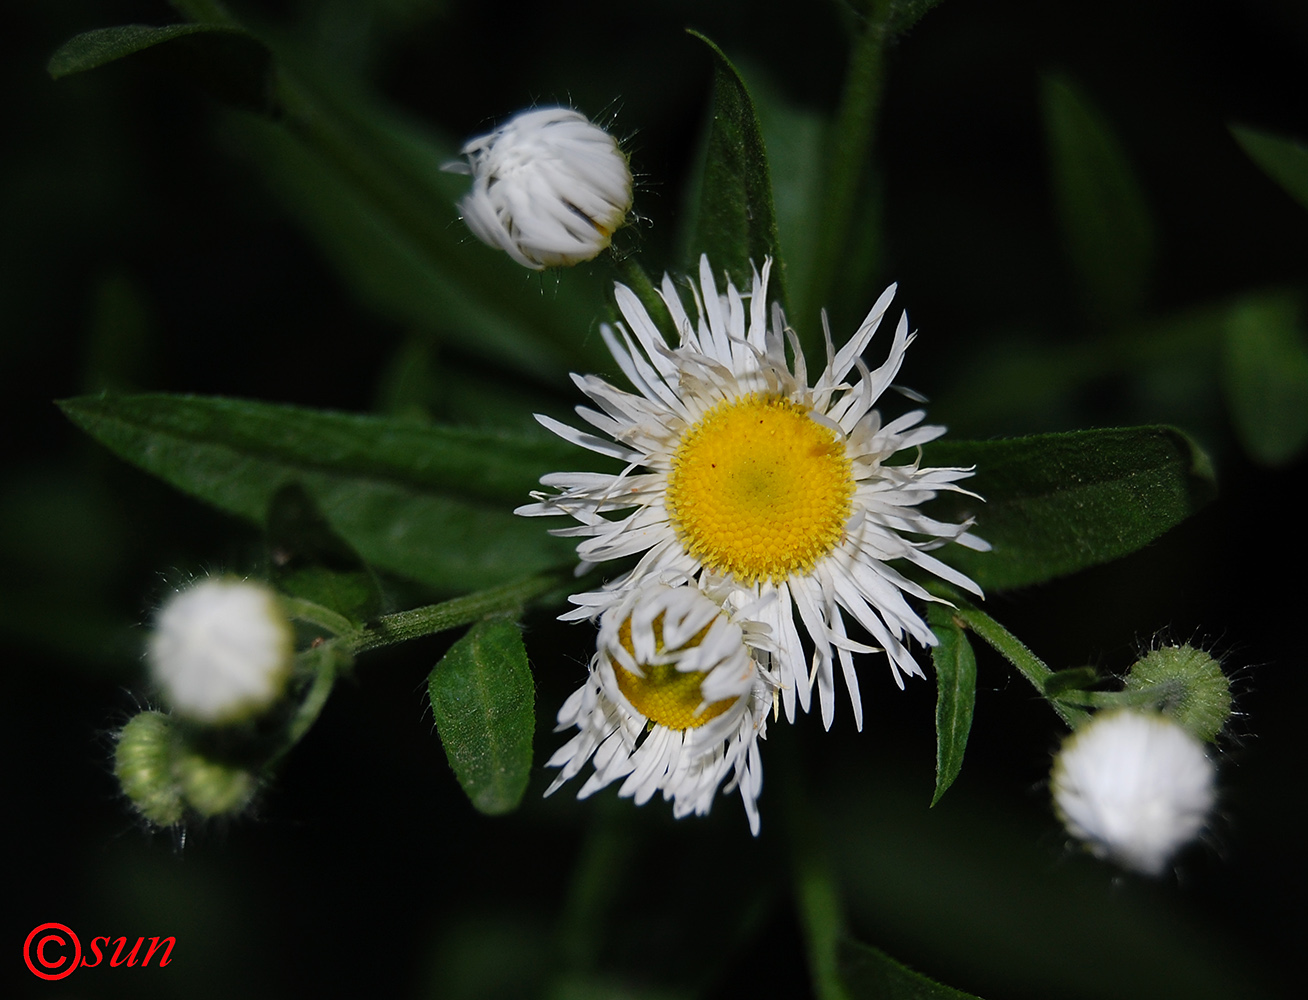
[
  {"x": 221, "y": 650},
  {"x": 549, "y": 187},
  {"x": 1135, "y": 787}
]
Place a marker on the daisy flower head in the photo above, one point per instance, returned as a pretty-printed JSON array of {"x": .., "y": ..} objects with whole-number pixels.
[
  {"x": 221, "y": 650},
  {"x": 675, "y": 702},
  {"x": 742, "y": 473},
  {"x": 549, "y": 187},
  {"x": 1135, "y": 787}
]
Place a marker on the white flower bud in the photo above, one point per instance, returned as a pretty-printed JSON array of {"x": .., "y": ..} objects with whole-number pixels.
[
  {"x": 549, "y": 188},
  {"x": 1135, "y": 787},
  {"x": 221, "y": 650}
]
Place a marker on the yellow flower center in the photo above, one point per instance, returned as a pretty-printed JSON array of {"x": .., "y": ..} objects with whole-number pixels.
[
  {"x": 665, "y": 694},
  {"x": 759, "y": 489}
]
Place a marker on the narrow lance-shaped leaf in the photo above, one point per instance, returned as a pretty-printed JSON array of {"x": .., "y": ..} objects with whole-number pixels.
[
  {"x": 868, "y": 973},
  {"x": 227, "y": 61},
  {"x": 955, "y": 695},
  {"x": 483, "y": 701},
  {"x": 1283, "y": 160},
  {"x": 1058, "y": 503},
  {"x": 734, "y": 221},
  {"x": 1101, "y": 205},
  {"x": 431, "y": 503}
]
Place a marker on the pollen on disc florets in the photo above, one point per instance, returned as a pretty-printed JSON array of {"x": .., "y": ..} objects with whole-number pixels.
[{"x": 759, "y": 489}]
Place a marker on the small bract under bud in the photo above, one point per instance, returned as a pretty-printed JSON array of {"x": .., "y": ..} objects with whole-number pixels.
[
  {"x": 221, "y": 650},
  {"x": 549, "y": 188},
  {"x": 1135, "y": 787},
  {"x": 1191, "y": 686}
]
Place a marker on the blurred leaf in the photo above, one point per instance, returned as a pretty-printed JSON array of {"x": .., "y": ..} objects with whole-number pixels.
[
  {"x": 120, "y": 354},
  {"x": 430, "y": 503},
  {"x": 309, "y": 560},
  {"x": 1283, "y": 160},
  {"x": 900, "y": 15},
  {"x": 1265, "y": 376},
  {"x": 796, "y": 141},
  {"x": 734, "y": 221},
  {"x": 483, "y": 701},
  {"x": 1100, "y": 203},
  {"x": 870, "y": 974},
  {"x": 955, "y": 695},
  {"x": 368, "y": 186},
  {"x": 227, "y": 61},
  {"x": 1058, "y": 503}
]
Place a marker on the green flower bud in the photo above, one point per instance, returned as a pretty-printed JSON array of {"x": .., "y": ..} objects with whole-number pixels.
[
  {"x": 143, "y": 762},
  {"x": 165, "y": 777},
  {"x": 1190, "y": 686},
  {"x": 213, "y": 788}
]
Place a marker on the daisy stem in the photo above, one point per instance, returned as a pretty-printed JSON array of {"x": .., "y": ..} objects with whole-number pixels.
[
  {"x": 404, "y": 625},
  {"x": 1015, "y": 652}
]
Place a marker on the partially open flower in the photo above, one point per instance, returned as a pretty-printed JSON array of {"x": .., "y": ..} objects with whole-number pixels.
[
  {"x": 549, "y": 188},
  {"x": 221, "y": 650},
  {"x": 675, "y": 702},
  {"x": 1135, "y": 787}
]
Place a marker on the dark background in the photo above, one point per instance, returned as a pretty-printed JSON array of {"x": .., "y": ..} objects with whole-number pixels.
[{"x": 363, "y": 868}]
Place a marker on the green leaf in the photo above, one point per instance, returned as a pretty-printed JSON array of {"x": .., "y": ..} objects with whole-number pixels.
[
  {"x": 870, "y": 974},
  {"x": 430, "y": 503},
  {"x": 310, "y": 561},
  {"x": 1283, "y": 160},
  {"x": 1265, "y": 376},
  {"x": 1102, "y": 208},
  {"x": 482, "y": 698},
  {"x": 227, "y": 61},
  {"x": 955, "y": 695},
  {"x": 1058, "y": 503},
  {"x": 734, "y": 221}
]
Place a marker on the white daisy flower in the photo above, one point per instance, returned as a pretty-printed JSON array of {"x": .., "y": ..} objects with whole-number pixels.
[
  {"x": 549, "y": 188},
  {"x": 1135, "y": 787},
  {"x": 675, "y": 702},
  {"x": 221, "y": 650},
  {"x": 742, "y": 473}
]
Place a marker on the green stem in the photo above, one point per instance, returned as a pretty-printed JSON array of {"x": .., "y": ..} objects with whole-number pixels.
[
  {"x": 1148, "y": 697},
  {"x": 1012, "y": 649},
  {"x": 820, "y": 912},
  {"x": 404, "y": 625}
]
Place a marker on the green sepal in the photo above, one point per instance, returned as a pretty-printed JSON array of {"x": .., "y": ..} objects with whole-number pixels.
[
  {"x": 483, "y": 701},
  {"x": 1061, "y": 682},
  {"x": 733, "y": 218},
  {"x": 1058, "y": 503},
  {"x": 955, "y": 666}
]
